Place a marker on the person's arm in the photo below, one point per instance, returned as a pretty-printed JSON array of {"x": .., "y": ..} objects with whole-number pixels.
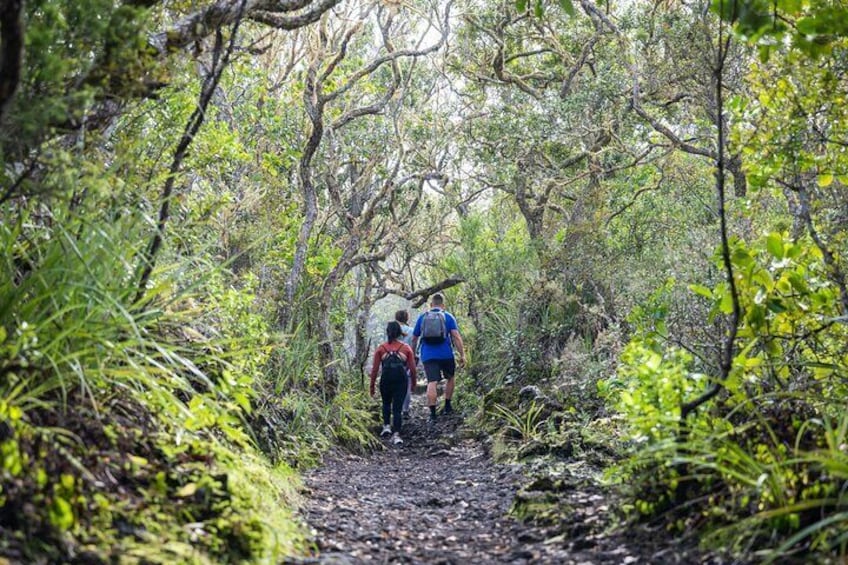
[
  {"x": 410, "y": 363},
  {"x": 460, "y": 348},
  {"x": 375, "y": 368},
  {"x": 416, "y": 333}
]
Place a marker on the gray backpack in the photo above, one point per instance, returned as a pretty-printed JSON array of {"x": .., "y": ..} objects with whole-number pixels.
[{"x": 434, "y": 329}]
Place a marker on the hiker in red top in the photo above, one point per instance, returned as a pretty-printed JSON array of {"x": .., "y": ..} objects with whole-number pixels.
[{"x": 393, "y": 359}]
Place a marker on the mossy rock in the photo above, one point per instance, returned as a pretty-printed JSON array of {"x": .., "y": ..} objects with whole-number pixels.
[
  {"x": 549, "y": 484},
  {"x": 533, "y": 448},
  {"x": 540, "y": 507},
  {"x": 505, "y": 396}
]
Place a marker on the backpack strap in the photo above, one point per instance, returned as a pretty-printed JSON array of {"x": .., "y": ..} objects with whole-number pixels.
[{"x": 389, "y": 350}]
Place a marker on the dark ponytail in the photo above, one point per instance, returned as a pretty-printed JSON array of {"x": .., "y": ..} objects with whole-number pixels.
[{"x": 393, "y": 331}]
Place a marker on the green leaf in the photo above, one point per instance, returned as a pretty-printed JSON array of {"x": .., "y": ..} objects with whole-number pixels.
[
  {"x": 798, "y": 283},
  {"x": 776, "y": 305},
  {"x": 521, "y": 6},
  {"x": 756, "y": 316},
  {"x": 138, "y": 461},
  {"x": 567, "y": 6},
  {"x": 701, "y": 290},
  {"x": 807, "y": 26},
  {"x": 774, "y": 244},
  {"x": 538, "y": 9},
  {"x": 726, "y": 305},
  {"x": 773, "y": 348},
  {"x": 825, "y": 180},
  {"x": 752, "y": 362},
  {"x": 67, "y": 481},
  {"x": 61, "y": 514},
  {"x": 741, "y": 257},
  {"x": 790, "y": 6},
  {"x": 186, "y": 490}
]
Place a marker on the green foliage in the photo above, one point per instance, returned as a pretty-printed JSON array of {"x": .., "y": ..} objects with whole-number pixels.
[
  {"x": 736, "y": 462},
  {"x": 527, "y": 425},
  {"x": 787, "y": 332},
  {"x": 95, "y": 47},
  {"x": 74, "y": 342},
  {"x": 299, "y": 425},
  {"x": 812, "y": 26},
  {"x": 649, "y": 388},
  {"x": 493, "y": 258},
  {"x": 567, "y": 6}
]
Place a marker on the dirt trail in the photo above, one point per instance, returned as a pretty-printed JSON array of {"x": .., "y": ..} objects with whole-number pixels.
[{"x": 440, "y": 499}]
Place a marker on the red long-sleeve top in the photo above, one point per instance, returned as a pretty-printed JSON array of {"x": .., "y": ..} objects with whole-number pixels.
[{"x": 383, "y": 349}]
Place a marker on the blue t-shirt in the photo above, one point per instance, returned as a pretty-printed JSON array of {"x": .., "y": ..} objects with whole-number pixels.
[{"x": 442, "y": 350}]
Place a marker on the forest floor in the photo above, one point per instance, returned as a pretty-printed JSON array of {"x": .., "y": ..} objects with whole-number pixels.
[{"x": 440, "y": 498}]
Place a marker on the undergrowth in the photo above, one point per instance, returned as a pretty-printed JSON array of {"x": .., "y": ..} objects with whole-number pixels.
[
  {"x": 762, "y": 471},
  {"x": 123, "y": 424}
]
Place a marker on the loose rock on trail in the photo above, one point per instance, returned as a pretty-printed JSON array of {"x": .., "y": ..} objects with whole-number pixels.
[{"x": 440, "y": 499}]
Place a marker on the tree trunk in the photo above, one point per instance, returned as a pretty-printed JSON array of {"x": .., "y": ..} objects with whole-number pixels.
[
  {"x": 362, "y": 344},
  {"x": 325, "y": 326},
  {"x": 11, "y": 50},
  {"x": 315, "y": 108}
]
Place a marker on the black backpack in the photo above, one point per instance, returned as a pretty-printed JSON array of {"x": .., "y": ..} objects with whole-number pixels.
[
  {"x": 393, "y": 366},
  {"x": 434, "y": 329}
]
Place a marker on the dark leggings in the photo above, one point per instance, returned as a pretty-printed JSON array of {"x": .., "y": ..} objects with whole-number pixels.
[{"x": 393, "y": 391}]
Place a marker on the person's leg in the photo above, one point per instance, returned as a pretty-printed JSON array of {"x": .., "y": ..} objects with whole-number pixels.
[
  {"x": 433, "y": 371},
  {"x": 408, "y": 398},
  {"x": 449, "y": 370},
  {"x": 386, "y": 396},
  {"x": 431, "y": 392},
  {"x": 398, "y": 394},
  {"x": 449, "y": 388}
]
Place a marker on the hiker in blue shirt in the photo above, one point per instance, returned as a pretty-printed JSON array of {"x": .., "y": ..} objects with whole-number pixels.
[
  {"x": 436, "y": 329},
  {"x": 402, "y": 317}
]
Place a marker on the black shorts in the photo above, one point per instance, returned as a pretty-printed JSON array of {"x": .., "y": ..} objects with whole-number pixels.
[{"x": 435, "y": 368}]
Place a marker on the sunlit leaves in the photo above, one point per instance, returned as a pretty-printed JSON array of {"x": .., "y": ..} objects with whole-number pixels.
[
  {"x": 774, "y": 244},
  {"x": 790, "y": 129},
  {"x": 649, "y": 387},
  {"x": 825, "y": 180},
  {"x": 701, "y": 290},
  {"x": 811, "y": 25},
  {"x": 539, "y": 7}
]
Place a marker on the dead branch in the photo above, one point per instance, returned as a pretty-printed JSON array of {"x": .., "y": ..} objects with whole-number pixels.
[{"x": 420, "y": 296}]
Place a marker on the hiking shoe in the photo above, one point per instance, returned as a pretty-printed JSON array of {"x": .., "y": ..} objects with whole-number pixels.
[
  {"x": 406, "y": 415},
  {"x": 396, "y": 439},
  {"x": 447, "y": 410},
  {"x": 387, "y": 431},
  {"x": 432, "y": 420}
]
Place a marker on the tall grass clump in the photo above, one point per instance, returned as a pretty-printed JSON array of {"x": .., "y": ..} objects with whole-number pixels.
[{"x": 123, "y": 422}]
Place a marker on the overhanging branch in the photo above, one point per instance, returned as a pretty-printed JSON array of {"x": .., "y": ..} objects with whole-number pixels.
[{"x": 419, "y": 297}]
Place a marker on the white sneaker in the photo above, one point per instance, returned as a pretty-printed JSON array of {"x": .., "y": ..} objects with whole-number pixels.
[
  {"x": 387, "y": 431},
  {"x": 396, "y": 439}
]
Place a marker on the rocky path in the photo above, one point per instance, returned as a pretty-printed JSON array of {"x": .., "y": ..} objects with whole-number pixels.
[{"x": 439, "y": 499}]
